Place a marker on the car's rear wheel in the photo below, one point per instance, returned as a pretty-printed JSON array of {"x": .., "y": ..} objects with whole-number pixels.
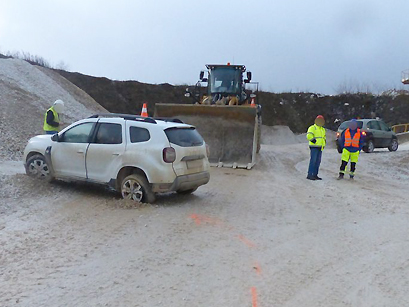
[
  {"x": 190, "y": 191},
  {"x": 135, "y": 187},
  {"x": 37, "y": 167},
  {"x": 370, "y": 147},
  {"x": 394, "y": 145}
]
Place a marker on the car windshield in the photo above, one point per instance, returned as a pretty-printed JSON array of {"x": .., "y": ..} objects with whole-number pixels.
[
  {"x": 344, "y": 125},
  {"x": 184, "y": 137},
  {"x": 225, "y": 80}
]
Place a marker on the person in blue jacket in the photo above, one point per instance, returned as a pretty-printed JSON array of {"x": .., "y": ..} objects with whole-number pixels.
[{"x": 351, "y": 141}]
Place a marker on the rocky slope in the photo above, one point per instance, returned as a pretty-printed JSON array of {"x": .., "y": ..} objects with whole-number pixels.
[{"x": 26, "y": 92}]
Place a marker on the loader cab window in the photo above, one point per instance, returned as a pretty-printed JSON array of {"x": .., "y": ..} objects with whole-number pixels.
[{"x": 225, "y": 80}]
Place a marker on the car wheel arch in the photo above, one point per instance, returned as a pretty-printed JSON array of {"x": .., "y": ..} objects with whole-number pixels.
[
  {"x": 126, "y": 171},
  {"x": 33, "y": 153}
]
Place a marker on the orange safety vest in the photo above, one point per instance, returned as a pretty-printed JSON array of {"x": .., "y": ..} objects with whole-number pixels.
[{"x": 354, "y": 142}]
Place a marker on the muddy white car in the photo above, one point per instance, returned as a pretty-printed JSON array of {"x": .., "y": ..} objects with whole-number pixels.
[{"x": 136, "y": 156}]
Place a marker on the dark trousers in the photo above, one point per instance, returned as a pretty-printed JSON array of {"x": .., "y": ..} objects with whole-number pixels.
[
  {"x": 315, "y": 161},
  {"x": 344, "y": 165}
]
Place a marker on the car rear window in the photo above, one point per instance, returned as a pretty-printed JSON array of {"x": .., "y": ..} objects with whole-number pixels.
[
  {"x": 184, "y": 137},
  {"x": 109, "y": 134},
  {"x": 344, "y": 125},
  {"x": 139, "y": 134}
]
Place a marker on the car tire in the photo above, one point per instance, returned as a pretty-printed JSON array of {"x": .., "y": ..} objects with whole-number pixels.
[
  {"x": 370, "y": 147},
  {"x": 185, "y": 192},
  {"x": 135, "y": 187},
  {"x": 394, "y": 145},
  {"x": 37, "y": 167}
]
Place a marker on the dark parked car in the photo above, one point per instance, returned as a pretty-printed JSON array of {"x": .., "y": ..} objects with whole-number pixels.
[{"x": 377, "y": 135}]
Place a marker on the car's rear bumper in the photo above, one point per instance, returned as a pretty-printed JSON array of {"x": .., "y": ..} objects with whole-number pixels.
[{"x": 184, "y": 182}]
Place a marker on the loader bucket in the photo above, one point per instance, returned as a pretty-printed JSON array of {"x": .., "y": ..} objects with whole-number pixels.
[{"x": 230, "y": 131}]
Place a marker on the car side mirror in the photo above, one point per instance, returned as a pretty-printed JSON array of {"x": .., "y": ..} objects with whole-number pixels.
[
  {"x": 249, "y": 76},
  {"x": 55, "y": 138},
  {"x": 201, "y": 75}
]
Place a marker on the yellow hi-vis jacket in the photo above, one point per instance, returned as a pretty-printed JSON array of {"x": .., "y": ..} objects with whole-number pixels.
[
  {"x": 48, "y": 127},
  {"x": 317, "y": 133}
]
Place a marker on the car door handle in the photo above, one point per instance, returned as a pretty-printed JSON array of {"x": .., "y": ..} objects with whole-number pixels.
[
  {"x": 115, "y": 154},
  {"x": 80, "y": 151}
]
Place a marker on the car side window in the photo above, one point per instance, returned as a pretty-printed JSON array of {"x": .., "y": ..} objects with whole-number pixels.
[
  {"x": 78, "y": 134},
  {"x": 138, "y": 135},
  {"x": 374, "y": 125},
  {"x": 384, "y": 126},
  {"x": 108, "y": 133}
]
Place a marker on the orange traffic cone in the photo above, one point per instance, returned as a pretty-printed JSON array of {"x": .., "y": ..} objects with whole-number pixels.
[
  {"x": 144, "y": 112},
  {"x": 253, "y": 102}
]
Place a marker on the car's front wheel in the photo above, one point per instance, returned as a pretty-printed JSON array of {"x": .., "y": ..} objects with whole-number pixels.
[
  {"x": 394, "y": 145},
  {"x": 135, "y": 187},
  {"x": 370, "y": 147},
  {"x": 37, "y": 167}
]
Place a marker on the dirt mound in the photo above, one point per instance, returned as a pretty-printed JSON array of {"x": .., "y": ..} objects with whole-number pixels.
[
  {"x": 279, "y": 135},
  {"x": 26, "y": 91}
]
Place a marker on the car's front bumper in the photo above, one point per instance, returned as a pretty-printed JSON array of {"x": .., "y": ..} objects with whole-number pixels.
[{"x": 183, "y": 183}]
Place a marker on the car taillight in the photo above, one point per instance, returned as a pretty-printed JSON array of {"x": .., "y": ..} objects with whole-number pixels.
[
  {"x": 337, "y": 134},
  {"x": 208, "y": 150},
  {"x": 363, "y": 133},
  {"x": 169, "y": 155}
]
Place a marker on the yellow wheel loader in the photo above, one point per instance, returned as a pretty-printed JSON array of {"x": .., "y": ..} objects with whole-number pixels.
[{"x": 226, "y": 115}]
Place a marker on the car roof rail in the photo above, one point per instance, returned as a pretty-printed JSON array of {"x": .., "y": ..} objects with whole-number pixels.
[
  {"x": 170, "y": 120},
  {"x": 126, "y": 116}
]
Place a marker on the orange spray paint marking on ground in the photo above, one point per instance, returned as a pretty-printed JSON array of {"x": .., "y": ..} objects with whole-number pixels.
[
  {"x": 196, "y": 218},
  {"x": 246, "y": 241},
  {"x": 257, "y": 268},
  {"x": 199, "y": 219},
  {"x": 254, "y": 297}
]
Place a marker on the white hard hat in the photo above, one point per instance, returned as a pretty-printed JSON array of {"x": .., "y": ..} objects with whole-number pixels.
[{"x": 58, "y": 106}]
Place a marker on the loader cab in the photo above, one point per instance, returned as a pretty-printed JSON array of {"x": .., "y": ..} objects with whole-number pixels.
[{"x": 225, "y": 80}]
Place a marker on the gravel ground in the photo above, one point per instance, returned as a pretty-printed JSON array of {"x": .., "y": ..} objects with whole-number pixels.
[{"x": 265, "y": 237}]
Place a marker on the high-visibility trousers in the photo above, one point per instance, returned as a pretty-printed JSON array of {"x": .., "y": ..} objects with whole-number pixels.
[{"x": 347, "y": 156}]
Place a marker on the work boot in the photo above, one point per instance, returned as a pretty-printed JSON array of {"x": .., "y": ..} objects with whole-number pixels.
[
  {"x": 341, "y": 176},
  {"x": 351, "y": 177},
  {"x": 317, "y": 178},
  {"x": 311, "y": 178}
]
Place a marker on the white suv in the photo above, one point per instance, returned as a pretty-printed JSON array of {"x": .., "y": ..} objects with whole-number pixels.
[{"x": 137, "y": 156}]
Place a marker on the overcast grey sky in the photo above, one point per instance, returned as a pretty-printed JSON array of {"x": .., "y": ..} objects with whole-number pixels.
[{"x": 297, "y": 45}]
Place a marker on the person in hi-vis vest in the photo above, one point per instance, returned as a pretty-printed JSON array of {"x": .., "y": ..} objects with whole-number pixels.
[
  {"x": 352, "y": 141},
  {"x": 52, "y": 117},
  {"x": 317, "y": 141}
]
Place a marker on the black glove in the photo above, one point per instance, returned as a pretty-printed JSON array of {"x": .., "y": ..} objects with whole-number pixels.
[{"x": 314, "y": 141}]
